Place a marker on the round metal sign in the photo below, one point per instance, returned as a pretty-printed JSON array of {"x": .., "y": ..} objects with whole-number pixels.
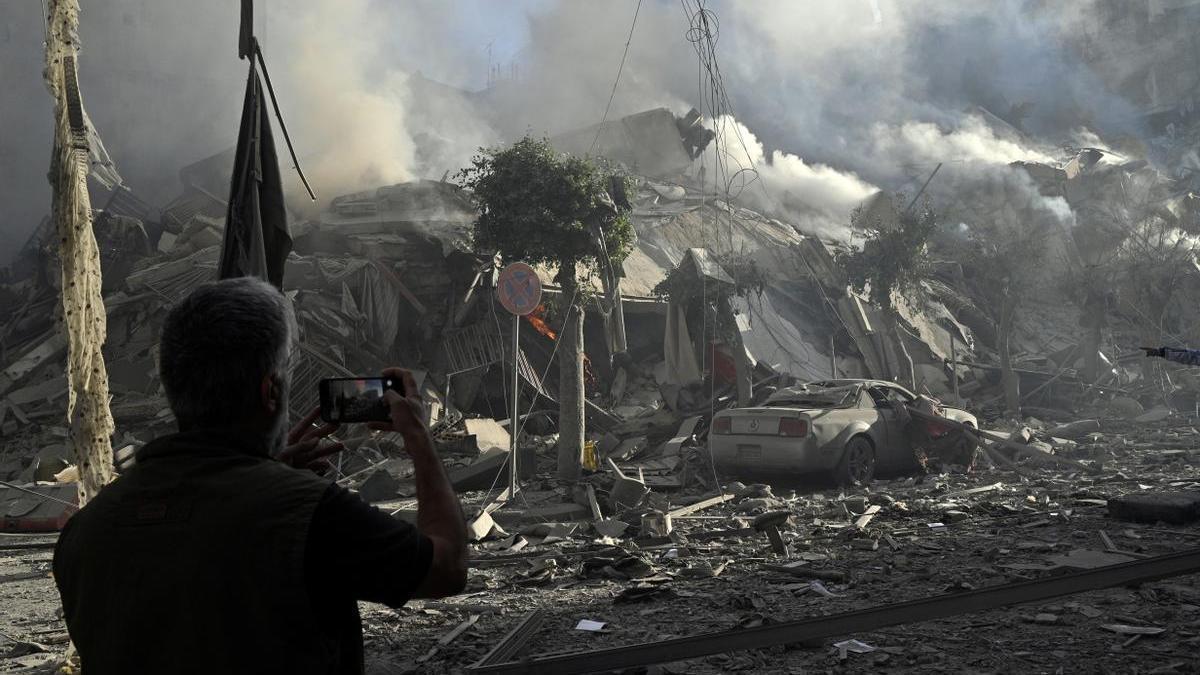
[{"x": 519, "y": 288}]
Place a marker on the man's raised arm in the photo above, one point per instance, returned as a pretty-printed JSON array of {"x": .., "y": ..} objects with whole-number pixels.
[{"x": 439, "y": 514}]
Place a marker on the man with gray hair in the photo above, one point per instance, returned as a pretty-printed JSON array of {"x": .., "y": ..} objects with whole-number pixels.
[{"x": 220, "y": 551}]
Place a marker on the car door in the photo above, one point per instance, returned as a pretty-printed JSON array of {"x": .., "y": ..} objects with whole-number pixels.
[{"x": 897, "y": 451}]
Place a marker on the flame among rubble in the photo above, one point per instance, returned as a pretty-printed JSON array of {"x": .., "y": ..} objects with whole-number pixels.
[{"x": 536, "y": 318}]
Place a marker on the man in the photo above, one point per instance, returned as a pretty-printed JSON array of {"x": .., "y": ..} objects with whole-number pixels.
[
  {"x": 1189, "y": 357},
  {"x": 219, "y": 551}
]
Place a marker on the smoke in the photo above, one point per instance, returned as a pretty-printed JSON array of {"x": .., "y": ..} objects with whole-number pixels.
[
  {"x": 814, "y": 197},
  {"x": 832, "y": 99},
  {"x": 349, "y": 116}
]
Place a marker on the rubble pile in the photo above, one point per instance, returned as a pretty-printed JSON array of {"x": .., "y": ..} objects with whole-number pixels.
[
  {"x": 645, "y": 551},
  {"x": 718, "y": 307}
]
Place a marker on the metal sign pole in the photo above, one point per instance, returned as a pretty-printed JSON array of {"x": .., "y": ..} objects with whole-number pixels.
[
  {"x": 513, "y": 429},
  {"x": 520, "y": 292}
]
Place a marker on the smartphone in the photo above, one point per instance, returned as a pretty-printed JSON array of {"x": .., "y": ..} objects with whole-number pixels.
[{"x": 356, "y": 399}]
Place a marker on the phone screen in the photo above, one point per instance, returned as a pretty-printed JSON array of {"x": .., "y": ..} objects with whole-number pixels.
[{"x": 355, "y": 399}]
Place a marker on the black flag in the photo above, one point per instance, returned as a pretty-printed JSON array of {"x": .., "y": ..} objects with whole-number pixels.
[{"x": 256, "y": 232}]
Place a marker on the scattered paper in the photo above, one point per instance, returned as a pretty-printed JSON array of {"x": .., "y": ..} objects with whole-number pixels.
[
  {"x": 588, "y": 624},
  {"x": 854, "y": 646}
]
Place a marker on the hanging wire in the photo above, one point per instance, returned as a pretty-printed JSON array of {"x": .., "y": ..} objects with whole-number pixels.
[
  {"x": 536, "y": 395},
  {"x": 620, "y": 68}
]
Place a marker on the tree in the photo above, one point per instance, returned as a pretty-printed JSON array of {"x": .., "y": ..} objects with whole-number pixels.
[
  {"x": 1008, "y": 241},
  {"x": 547, "y": 208},
  {"x": 894, "y": 258},
  {"x": 1154, "y": 266},
  {"x": 1110, "y": 207}
]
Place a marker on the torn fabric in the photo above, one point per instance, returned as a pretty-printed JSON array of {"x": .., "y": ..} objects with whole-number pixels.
[
  {"x": 84, "y": 321},
  {"x": 256, "y": 242}
]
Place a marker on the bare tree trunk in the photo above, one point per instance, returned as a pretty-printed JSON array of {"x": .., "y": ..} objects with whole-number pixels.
[
  {"x": 1008, "y": 379},
  {"x": 570, "y": 380},
  {"x": 1092, "y": 323}
]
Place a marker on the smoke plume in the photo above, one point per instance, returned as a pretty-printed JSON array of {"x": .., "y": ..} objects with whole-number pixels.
[{"x": 828, "y": 100}]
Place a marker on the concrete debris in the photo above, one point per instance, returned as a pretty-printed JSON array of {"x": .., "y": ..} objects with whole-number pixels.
[
  {"x": 1177, "y": 508},
  {"x": 1095, "y": 467}
]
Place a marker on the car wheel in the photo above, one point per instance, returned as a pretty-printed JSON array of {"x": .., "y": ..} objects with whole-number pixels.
[{"x": 857, "y": 465}]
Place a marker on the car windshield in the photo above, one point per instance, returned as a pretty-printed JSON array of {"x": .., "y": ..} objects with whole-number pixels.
[{"x": 814, "y": 397}]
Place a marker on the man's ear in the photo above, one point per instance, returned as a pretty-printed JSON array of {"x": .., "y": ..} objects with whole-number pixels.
[{"x": 271, "y": 393}]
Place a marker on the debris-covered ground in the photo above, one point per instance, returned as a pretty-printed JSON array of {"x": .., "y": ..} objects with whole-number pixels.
[
  {"x": 931, "y": 535},
  {"x": 1019, "y": 260}
]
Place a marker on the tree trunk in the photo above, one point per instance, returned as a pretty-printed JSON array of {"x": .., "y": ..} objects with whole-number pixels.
[
  {"x": 1092, "y": 322},
  {"x": 570, "y": 379},
  {"x": 1008, "y": 379},
  {"x": 1090, "y": 345}
]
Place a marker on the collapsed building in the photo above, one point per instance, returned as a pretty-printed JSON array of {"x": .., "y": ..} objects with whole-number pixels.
[{"x": 387, "y": 276}]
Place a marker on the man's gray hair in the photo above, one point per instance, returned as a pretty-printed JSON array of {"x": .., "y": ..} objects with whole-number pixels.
[{"x": 217, "y": 345}]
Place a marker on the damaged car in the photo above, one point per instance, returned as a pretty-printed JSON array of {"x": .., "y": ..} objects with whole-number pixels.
[{"x": 844, "y": 429}]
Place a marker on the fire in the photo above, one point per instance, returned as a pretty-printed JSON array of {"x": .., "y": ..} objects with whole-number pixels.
[{"x": 536, "y": 318}]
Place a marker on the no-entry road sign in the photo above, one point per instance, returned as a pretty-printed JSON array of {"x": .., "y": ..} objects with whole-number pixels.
[{"x": 519, "y": 288}]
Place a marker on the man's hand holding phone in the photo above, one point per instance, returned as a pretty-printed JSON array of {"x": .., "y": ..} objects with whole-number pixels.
[
  {"x": 407, "y": 410},
  {"x": 304, "y": 450}
]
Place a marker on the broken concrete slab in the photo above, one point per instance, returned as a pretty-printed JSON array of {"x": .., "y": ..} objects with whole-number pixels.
[
  {"x": 561, "y": 513},
  {"x": 1075, "y": 430},
  {"x": 490, "y": 469},
  {"x": 629, "y": 448},
  {"x": 1176, "y": 508},
  {"x": 610, "y": 527},
  {"x": 1156, "y": 414},
  {"x": 44, "y": 351},
  {"x": 481, "y": 526},
  {"x": 487, "y": 434},
  {"x": 686, "y": 429}
]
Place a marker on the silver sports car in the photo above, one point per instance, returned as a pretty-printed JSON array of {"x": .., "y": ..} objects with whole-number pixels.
[{"x": 846, "y": 429}]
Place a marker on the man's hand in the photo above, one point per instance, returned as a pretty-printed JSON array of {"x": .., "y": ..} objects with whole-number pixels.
[
  {"x": 304, "y": 450},
  {"x": 1154, "y": 351},
  {"x": 407, "y": 410},
  {"x": 439, "y": 515}
]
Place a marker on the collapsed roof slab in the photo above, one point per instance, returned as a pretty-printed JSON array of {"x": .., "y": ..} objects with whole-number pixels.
[{"x": 649, "y": 143}]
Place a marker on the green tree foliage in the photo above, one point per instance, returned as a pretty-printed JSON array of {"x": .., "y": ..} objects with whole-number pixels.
[
  {"x": 894, "y": 256},
  {"x": 547, "y": 208},
  {"x": 537, "y": 205}
]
